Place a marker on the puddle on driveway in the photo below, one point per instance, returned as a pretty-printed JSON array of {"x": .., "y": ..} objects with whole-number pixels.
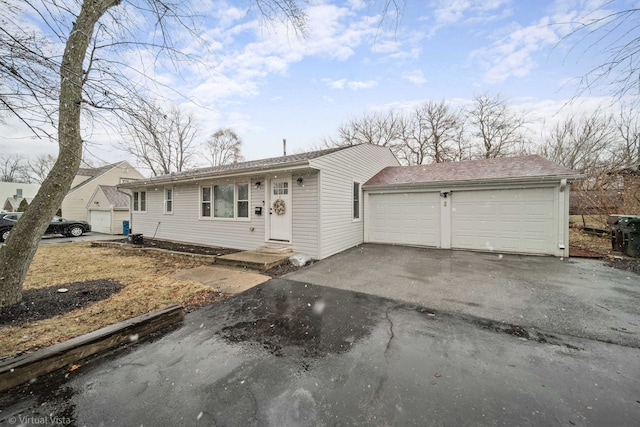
[{"x": 288, "y": 318}]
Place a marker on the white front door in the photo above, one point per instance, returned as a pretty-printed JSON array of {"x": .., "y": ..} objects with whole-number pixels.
[{"x": 280, "y": 210}]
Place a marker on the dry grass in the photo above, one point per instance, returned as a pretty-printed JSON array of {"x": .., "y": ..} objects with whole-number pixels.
[
  {"x": 148, "y": 286},
  {"x": 593, "y": 221},
  {"x": 595, "y": 243}
]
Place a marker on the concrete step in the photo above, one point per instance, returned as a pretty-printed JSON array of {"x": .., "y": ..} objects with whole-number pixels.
[
  {"x": 274, "y": 250},
  {"x": 254, "y": 260}
]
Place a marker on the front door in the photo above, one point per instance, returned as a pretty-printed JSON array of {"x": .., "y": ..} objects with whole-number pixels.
[{"x": 280, "y": 210}]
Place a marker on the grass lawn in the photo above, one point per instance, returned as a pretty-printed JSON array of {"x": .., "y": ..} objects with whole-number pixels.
[{"x": 147, "y": 282}]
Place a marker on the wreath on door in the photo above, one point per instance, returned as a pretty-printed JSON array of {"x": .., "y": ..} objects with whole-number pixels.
[{"x": 279, "y": 207}]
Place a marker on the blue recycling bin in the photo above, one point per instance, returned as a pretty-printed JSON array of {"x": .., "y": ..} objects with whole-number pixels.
[{"x": 125, "y": 228}]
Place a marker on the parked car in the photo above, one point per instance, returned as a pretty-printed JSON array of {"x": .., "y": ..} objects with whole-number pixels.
[{"x": 58, "y": 225}]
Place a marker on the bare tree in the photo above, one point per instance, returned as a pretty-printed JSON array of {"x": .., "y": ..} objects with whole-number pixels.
[
  {"x": 37, "y": 169},
  {"x": 585, "y": 143},
  {"x": 377, "y": 128},
  {"x": 160, "y": 140},
  {"x": 12, "y": 168},
  {"x": 224, "y": 147},
  {"x": 613, "y": 34},
  {"x": 628, "y": 126},
  {"x": 497, "y": 130},
  {"x": 85, "y": 82},
  {"x": 431, "y": 134}
]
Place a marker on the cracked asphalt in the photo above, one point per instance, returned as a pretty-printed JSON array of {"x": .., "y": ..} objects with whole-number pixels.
[{"x": 289, "y": 353}]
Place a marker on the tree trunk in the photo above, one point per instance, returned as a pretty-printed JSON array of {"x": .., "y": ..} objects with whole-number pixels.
[{"x": 21, "y": 246}]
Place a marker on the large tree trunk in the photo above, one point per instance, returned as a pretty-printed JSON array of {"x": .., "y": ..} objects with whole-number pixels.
[{"x": 21, "y": 246}]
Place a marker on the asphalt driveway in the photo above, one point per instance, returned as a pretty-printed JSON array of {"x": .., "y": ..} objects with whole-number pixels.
[
  {"x": 575, "y": 297},
  {"x": 288, "y": 353}
]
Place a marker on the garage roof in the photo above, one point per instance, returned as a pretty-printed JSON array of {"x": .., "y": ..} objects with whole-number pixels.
[{"x": 499, "y": 169}]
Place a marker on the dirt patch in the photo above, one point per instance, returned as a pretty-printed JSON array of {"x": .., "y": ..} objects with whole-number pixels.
[
  {"x": 183, "y": 247},
  {"x": 43, "y": 303}
]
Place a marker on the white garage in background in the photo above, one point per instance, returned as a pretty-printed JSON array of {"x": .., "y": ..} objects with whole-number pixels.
[
  {"x": 516, "y": 204},
  {"x": 108, "y": 208}
]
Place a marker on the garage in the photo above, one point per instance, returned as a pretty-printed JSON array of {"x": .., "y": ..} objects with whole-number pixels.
[
  {"x": 100, "y": 221},
  {"x": 401, "y": 218},
  {"x": 516, "y": 205}
]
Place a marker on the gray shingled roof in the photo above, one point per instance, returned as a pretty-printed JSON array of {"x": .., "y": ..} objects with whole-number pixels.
[
  {"x": 96, "y": 171},
  {"x": 115, "y": 198},
  {"x": 506, "y": 168},
  {"x": 243, "y": 166}
]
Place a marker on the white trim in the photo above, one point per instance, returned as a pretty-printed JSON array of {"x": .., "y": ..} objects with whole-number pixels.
[
  {"x": 139, "y": 199},
  {"x": 235, "y": 218}
]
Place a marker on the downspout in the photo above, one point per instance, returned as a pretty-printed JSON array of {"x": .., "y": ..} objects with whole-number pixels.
[
  {"x": 563, "y": 219},
  {"x": 130, "y": 195}
]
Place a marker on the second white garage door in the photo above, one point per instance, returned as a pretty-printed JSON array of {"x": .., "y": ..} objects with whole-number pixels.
[
  {"x": 504, "y": 220},
  {"x": 515, "y": 220}
]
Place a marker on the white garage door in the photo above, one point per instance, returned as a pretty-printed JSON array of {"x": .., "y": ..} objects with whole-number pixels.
[
  {"x": 100, "y": 221},
  {"x": 405, "y": 218},
  {"x": 504, "y": 220}
]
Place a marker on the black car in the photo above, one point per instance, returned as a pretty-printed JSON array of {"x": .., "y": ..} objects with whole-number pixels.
[{"x": 58, "y": 225}]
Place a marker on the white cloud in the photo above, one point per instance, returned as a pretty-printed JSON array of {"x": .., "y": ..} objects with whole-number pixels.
[
  {"x": 451, "y": 12},
  {"x": 415, "y": 77},
  {"x": 353, "y": 84},
  {"x": 358, "y": 85}
]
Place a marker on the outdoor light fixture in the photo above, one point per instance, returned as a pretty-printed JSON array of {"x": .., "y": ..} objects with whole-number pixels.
[
  {"x": 258, "y": 184},
  {"x": 300, "y": 180}
]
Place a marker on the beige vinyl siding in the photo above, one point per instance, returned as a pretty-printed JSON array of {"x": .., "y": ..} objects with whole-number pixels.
[
  {"x": 305, "y": 214},
  {"x": 185, "y": 225},
  {"x": 339, "y": 170},
  {"x": 74, "y": 205}
]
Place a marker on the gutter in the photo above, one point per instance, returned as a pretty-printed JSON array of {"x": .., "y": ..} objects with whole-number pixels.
[
  {"x": 171, "y": 179},
  {"x": 440, "y": 184}
]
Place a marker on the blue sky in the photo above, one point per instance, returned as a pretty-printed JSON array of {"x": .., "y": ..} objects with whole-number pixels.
[{"x": 268, "y": 84}]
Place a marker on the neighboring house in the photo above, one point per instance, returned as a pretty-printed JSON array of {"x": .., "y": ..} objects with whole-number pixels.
[
  {"x": 12, "y": 193},
  {"x": 79, "y": 201},
  {"x": 311, "y": 202},
  {"x": 13, "y": 203},
  {"x": 517, "y": 204},
  {"x": 108, "y": 208}
]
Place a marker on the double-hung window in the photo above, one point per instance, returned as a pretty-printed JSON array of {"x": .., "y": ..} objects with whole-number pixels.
[
  {"x": 225, "y": 201},
  {"x": 168, "y": 200},
  {"x": 139, "y": 201}
]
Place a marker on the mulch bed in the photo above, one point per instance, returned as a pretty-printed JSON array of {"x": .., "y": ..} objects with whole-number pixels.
[
  {"x": 44, "y": 303},
  {"x": 576, "y": 252},
  {"x": 632, "y": 265},
  {"x": 183, "y": 247}
]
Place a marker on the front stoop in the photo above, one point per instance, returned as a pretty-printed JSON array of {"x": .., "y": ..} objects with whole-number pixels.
[{"x": 263, "y": 258}]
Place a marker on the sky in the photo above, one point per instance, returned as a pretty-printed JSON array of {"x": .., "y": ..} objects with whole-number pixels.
[{"x": 269, "y": 84}]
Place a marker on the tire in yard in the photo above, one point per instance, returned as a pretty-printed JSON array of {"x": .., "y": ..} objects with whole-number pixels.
[{"x": 75, "y": 231}]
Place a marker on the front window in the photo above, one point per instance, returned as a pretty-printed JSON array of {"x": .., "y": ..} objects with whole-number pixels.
[
  {"x": 18, "y": 193},
  {"x": 356, "y": 200},
  {"x": 139, "y": 201},
  {"x": 230, "y": 201},
  {"x": 168, "y": 200},
  {"x": 223, "y": 201}
]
